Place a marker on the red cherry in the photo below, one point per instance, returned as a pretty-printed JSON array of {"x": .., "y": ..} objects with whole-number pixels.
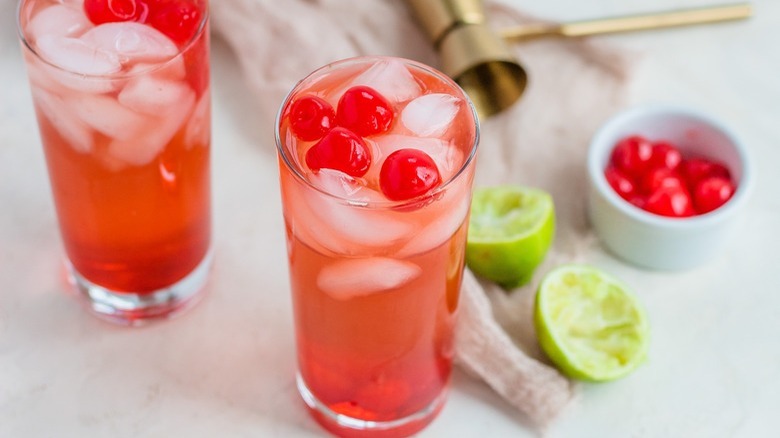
[
  {"x": 407, "y": 173},
  {"x": 620, "y": 183},
  {"x": 670, "y": 201},
  {"x": 665, "y": 155},
  {"x": 340, "y": 149},
  {"x": 364, "y": 111},
  {"x": 711, "y": 193},
  {"x": 632, "y": 155},
  {"x": 109, "y": 11},
  {"x": 177, "y": 19},
  {"x": 697, "y": 169},
  {"x": 311, "y": 117},
  {"x": 660, "y": 177}
]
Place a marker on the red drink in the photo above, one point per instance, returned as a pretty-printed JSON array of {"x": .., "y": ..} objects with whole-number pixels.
[
  {"x": 123, "y": 108},
  {"x": 376, "y": 251}
]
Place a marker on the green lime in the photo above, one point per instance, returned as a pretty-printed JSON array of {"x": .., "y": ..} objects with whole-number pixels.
[
  {"x": 510, "y": 230},
  {"x": 589, "y": 324}
]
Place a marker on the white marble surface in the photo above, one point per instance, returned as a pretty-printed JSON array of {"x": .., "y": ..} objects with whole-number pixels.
[{"x": 225, "y": 368}]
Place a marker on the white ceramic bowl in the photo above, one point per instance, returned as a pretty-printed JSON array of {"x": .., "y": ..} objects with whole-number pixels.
[{"x": 658, "y": 242}]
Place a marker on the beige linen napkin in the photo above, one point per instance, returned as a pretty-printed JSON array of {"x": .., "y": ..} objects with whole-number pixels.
[{"x": 541, "y": 142}]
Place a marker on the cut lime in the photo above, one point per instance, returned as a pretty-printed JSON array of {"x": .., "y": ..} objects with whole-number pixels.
[
  {"x": 510, "y": 230},
  {"x": 589, "y": 324}
]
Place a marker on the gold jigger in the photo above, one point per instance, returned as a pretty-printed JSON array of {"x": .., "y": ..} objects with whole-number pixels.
[
  {"x": 471, "y": 53},
  {"x": 481, "y": 63}
]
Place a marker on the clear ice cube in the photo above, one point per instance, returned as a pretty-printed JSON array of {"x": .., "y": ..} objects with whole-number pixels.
[
  {"x": 343, "y": 226},
  {"x": 350, "y": 278},
  {"x": 37, "y": 72},
  {"x": 448, "y": 213},
  {"x": 77, "y": 56},
  {"x": 390, "y": 78},
  {"x": 355, "y": 225},
  {"x": 149, "y": 95},
  {"x": 62, "y": 118},
  {"x": 301, "y": 218},
  {"x": 131, "y": 42},
  {"x": 172, "y": 70},
  {"x": 54, "y": 79},
  {"x": 430, "y": 115},
  {"x": 136, "y": 152},
  {"x": 109, "y": 117},
  {"x": 157, "y": 132},
  {"x": 336, "y": 183},
  {"x": 59, "y": 21}
]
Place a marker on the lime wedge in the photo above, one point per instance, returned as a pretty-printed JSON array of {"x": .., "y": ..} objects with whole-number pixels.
[
  {"x": 510, "y": 230},
  {"x": 589, "y": 324}
]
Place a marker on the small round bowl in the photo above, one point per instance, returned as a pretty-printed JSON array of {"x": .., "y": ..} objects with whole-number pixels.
[{"x": 649, "y": 240}]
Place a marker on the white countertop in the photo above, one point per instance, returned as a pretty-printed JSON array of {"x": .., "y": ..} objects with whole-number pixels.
[{"x": 226, "y": 367}]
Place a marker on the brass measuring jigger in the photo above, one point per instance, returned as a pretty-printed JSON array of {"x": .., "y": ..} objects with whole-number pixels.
[
  {"x": 471, "y": 53},
  {"x": 480, "y": 61}
]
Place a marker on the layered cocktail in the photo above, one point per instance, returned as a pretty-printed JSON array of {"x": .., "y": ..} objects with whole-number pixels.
[
  {"x": 376, "y": 162},
  {"x": 121, "y": 92}
]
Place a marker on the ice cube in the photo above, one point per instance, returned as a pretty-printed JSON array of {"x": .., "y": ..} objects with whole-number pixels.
[
  {"x": 173, "y": 69},
  {"x": 109, "y": 117},
  {"x": 61, "y": 116},
  {"x": 54, "y": 78},
  {"x": 391, "y": 79},
  {"x": 59, "y": 21},
  {"x": 350, "y": 278},
  {"x": 337, "y": 183},
  {"x": 444, "y": 154},
  {"x": 38, "y": 75},
  {"x": 430, "y": 115},
  {"x": 301, "y": 219},
  {"x": 157, "y": 132},
  {"x": 448, "y": 214},
  {"x": 149, "y": 95},
  {"x": 356, "y": 225},
  {"x": 76, "y": 56},
  {"x": 135, "y": 152},
  {"x": 109, "y": 161},
  {"x": 131, "y": 42},
  {"x": 198, "y": 131}
]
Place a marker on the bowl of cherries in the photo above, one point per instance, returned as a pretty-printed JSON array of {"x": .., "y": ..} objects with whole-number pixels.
[{"x": 666, "y": 184}]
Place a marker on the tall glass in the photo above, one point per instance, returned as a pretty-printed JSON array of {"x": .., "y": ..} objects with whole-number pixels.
[
  {"x": 376, "y": 248},
  {"x": 121, "y": 94}
]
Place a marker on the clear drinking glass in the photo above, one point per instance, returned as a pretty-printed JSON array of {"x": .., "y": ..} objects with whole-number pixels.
[
  {"x": 123, "y": 110},
  {"x": 375, "y": 267}
]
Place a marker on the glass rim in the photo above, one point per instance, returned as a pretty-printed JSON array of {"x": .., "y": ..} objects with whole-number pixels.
[
  {"x": 296, "y": 171},
  {"x": 113, "y": 76}
]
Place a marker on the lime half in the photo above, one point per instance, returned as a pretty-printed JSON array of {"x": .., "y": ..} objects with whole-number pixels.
[
  {"x": 589, "y": 324},
  {"x": 510, "y": 230}
]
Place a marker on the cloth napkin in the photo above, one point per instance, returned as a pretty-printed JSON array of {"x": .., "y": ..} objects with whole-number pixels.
[{"x": 540, "y": 141}]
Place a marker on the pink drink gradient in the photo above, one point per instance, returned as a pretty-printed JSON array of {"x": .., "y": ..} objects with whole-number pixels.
[{"x": 375, "y": 282}]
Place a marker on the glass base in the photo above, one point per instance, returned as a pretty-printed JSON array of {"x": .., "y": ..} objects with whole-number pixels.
[
  {"x": 344, "y": 426},
  {"x": 133, "y": 309}
]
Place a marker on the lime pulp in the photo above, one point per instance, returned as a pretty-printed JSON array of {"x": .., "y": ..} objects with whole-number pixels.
[
  {"x": 589, "y": 324},
  {"x": 510, "y": 231}
]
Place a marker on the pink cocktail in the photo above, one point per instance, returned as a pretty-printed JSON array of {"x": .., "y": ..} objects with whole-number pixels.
[
  {"x": 121, "y": 93},
  {"x": 377, "y": 161}
]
